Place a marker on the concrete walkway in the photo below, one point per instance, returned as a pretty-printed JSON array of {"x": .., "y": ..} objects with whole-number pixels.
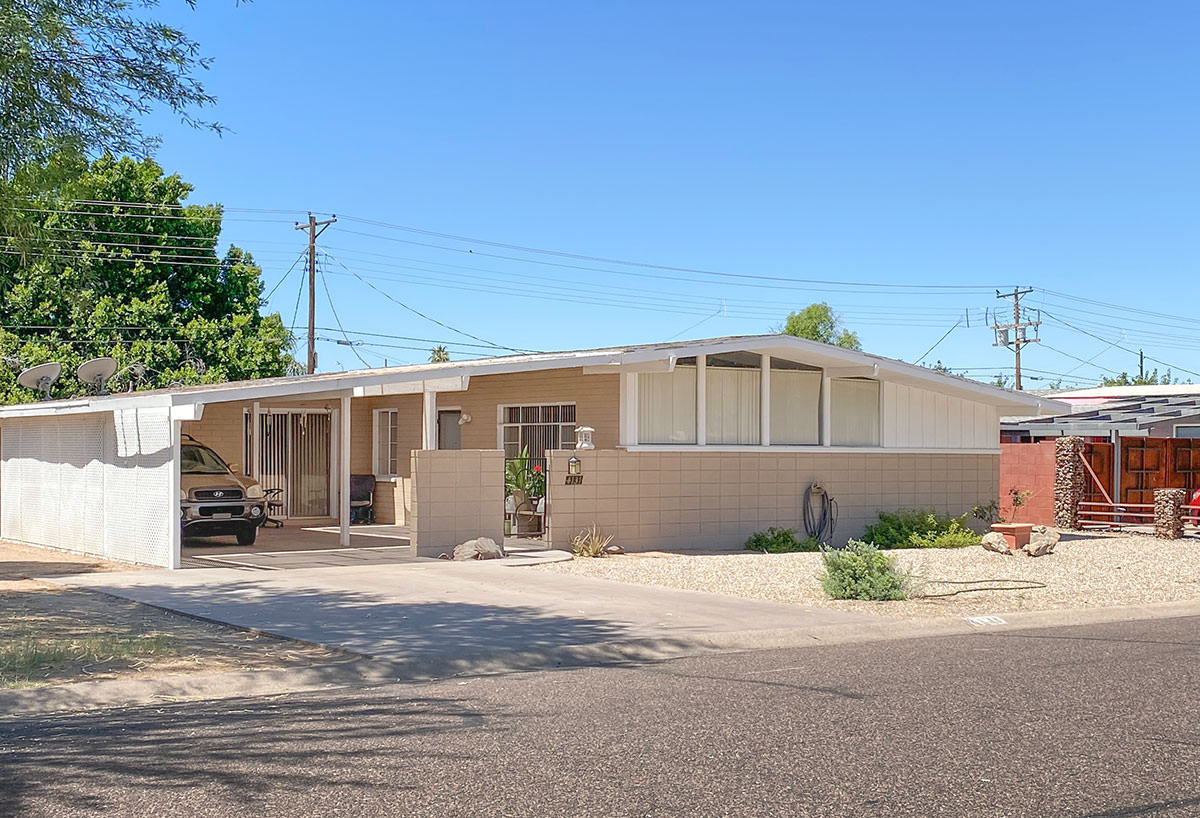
[{"x": 455, "y": 614}]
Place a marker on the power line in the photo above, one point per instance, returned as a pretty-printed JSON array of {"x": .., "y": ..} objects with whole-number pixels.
[
  {"x": 939, "y": 341},
  {"x": 646, "y": 265},
  {"x": 421, "y": 314},
  {"x": 338, "y": 320},
  {"x": 1118, "y": 346}
]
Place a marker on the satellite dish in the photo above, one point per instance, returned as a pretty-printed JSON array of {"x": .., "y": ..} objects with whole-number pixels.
[
  {"x": 96, "y": 371},
  {"x": 40, "y": 378}
]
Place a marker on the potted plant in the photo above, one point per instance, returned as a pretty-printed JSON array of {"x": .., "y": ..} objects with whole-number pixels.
[{"x": 1017, "y": 534}]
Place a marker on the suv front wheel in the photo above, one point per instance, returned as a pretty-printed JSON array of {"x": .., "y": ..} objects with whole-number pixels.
[{"x": 246, "y": 535}]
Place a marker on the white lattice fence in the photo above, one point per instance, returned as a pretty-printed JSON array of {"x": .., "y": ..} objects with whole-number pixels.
[{"x": 98, "y": 484}]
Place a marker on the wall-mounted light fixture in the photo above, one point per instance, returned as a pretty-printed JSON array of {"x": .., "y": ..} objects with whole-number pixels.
[
  {"x": 464, "y": 419},
  {"x": 583, "y": 438},
  {"x": 574, "y": 465}
]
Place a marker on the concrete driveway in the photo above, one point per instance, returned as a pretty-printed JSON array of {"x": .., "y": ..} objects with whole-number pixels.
[{"x": 456, "y": 616}]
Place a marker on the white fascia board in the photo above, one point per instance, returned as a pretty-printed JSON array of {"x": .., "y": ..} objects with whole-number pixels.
[
  {"x": 454, "y": 384},
  {"x": 666, "y": 364}
]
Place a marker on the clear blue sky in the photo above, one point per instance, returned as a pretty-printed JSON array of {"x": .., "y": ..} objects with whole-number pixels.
[{"x": 1051, "y": 145}]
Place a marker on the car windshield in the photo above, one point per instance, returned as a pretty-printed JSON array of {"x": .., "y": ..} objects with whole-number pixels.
[{"x": 199, "y": 460}]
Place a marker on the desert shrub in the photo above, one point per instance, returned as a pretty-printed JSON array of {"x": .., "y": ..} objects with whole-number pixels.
[
  {"x": 919, "y": 528},
  {"x": 780, "y": 541},
  {"x": 592, "y": 542},
  {"x": 862, "y": 571}
]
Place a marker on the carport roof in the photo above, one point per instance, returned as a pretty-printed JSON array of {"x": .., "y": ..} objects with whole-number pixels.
[
  {"x": 1131, "y": 417},
  {"x": 454, "y": 375}
]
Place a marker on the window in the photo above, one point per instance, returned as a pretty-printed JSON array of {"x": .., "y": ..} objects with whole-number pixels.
[
  {"x": 387, "y": 447},
  {"x": 854, "y": 410},
  {"x": 539, "y": 429},
  {"x": 667, "y": 404},
  {"x": 733, "y": 399},
  {"x": 795, "y": 403},
  {"x": 1187, "y": 431}
]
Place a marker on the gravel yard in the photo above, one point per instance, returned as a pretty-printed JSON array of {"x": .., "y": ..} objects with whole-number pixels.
[{"x": 1085, "y": 571}]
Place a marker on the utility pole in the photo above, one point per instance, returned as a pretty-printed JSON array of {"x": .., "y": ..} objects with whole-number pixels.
[
  {"x": 1020, "y": 337},
  {"x": 313, "y": 232},
  {"x": 1141, "y": 366}
]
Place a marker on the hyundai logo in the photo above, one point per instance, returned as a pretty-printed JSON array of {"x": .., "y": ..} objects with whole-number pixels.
[{"x": 218, "y": 494}]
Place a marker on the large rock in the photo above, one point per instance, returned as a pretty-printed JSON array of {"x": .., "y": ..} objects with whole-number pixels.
[
  {"x": 1041, "y": 541},
  {"x": 481, "y": 548},
  {"x": 995, "y": 541}
]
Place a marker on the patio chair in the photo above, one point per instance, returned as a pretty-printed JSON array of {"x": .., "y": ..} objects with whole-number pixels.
[
  {"x": 362, "y": 498},
  {"x": 526, "y": 516},
  {"x": 274, "y": 498}
]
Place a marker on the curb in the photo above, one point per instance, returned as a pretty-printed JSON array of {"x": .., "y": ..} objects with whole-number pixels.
[{"x": 367, "y": 671}]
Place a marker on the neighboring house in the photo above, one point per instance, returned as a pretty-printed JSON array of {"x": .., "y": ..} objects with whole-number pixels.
[
  {"x": 1138, "y": 439},
  {"x": 697, "y": 444}
]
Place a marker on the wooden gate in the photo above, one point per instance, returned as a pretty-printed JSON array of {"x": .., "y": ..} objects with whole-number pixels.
[
  {"x": 1100, "y": 457},
  {"x": 1158, "y": 463}
]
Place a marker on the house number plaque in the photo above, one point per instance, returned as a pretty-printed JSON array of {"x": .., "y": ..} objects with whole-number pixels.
[{"x": 574, "y": 480}]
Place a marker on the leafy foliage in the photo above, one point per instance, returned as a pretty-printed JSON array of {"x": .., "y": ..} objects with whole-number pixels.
[
  {"x": 918, "y": 528},
  {"x": 78, "y": 74},
  {"x": 591, "y": 542},
  {"x": 862, "y": 571},
  {"x": 520, "y": 476},
  {"x": 438, "y": 355},
  {"x": 148, "y": 289},
  {"x": 1151, "y": 378},
  {"x": 818, "y": 322},
  {"x": 775, "y": 540}
]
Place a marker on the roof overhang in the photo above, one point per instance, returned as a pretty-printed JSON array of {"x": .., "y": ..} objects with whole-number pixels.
[{"x": 455, "y": 376}]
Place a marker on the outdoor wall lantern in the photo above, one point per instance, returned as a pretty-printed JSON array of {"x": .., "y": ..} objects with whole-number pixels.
[
  {"x": 574, "y": 465},
  {"x": 583, "y": 437},
  {"x": 464, "y": 419}
]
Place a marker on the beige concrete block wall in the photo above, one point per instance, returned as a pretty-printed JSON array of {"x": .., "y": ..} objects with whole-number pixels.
[
  {"x": 715, "y": 500},
  {"x": 596, "y": 399},
  {"x": 457, "y": 495}
]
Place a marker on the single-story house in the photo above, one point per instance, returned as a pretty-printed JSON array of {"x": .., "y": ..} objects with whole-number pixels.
[{"x": 696, "y": 445}]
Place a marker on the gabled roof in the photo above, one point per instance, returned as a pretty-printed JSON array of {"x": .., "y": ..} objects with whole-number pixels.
[
  {"x": 1132, "y": 416},
  {"x": 454, "y": 375}
]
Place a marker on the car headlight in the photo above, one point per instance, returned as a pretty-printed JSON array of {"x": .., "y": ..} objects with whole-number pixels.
[
  {"x": 254, "y": 492},
  {"x": 182, "y": 496}
]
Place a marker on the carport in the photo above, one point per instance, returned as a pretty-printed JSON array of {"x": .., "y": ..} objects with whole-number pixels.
[{"x": 101, "y": 475}]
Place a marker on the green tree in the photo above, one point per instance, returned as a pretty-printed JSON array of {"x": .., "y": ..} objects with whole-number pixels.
[
  {"x": 941, "y": 367},
  {"x": 438, "y": 355},
  {"x": 142, "y": 283},
  {"x": 79, "y": 74},
  {"x": 1151, "y": 378},
  {"x": 818, "y": 322}
]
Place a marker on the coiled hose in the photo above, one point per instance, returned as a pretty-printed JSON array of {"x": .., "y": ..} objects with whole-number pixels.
[{"x": 819, "y": 523}]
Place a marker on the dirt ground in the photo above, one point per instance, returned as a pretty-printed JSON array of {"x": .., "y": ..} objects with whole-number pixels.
[{"x": 37, "y": 615}]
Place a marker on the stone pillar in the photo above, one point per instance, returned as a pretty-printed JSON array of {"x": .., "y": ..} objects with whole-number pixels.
[
  {"x": 1168, "y": 513},
  {"x": 1070, "y": 481}
]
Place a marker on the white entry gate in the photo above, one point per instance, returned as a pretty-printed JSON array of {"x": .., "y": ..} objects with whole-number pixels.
[{"x": 291, "y": 450}]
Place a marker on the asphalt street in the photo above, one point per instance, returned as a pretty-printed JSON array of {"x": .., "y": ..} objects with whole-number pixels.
[{"x": 1100, "y": 721}]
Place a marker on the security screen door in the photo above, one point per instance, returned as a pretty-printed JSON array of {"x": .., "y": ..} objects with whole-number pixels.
[{"x": 294, "y": 455}]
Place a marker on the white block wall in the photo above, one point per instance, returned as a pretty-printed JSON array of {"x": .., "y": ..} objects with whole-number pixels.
[{"x": 98, "y": 484}]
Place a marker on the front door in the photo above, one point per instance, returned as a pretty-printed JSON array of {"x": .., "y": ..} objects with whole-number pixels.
[{"x": 449, "y": 429}]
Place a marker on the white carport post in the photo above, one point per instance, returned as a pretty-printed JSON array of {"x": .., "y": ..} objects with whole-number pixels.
[
  {"x": 429, "y": 431},
  {"x": 344, "y": 472}
]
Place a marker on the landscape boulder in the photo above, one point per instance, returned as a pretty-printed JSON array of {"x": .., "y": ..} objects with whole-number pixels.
[
  {"x": 480, "y": 548},
  {"x": 1041, "y": 541},
  {"x": 995, "y": 541}
]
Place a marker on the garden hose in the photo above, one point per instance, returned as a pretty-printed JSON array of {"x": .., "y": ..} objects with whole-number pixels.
[
  {"x": 819, "y": 524},
  {"x": 1013, "y": 585}
]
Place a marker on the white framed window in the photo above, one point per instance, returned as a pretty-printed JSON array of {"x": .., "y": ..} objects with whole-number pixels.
[
  {"x": 1187, "y": 430},
  {"x": 386, "y": 445},
  {"x": 538, "y": 427},
  {"x": 795, "y": 404},
  {"x": 733, "y": 399},
  {"x": 854, "y": 412},
  {"x": 667, "y": 404}
]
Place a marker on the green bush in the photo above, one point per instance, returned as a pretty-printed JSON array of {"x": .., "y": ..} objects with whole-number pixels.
[
  {"x": 919, "y": 528},
  {"x": 780, "y": 541},
  {"x": 861, "y": 571}
]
